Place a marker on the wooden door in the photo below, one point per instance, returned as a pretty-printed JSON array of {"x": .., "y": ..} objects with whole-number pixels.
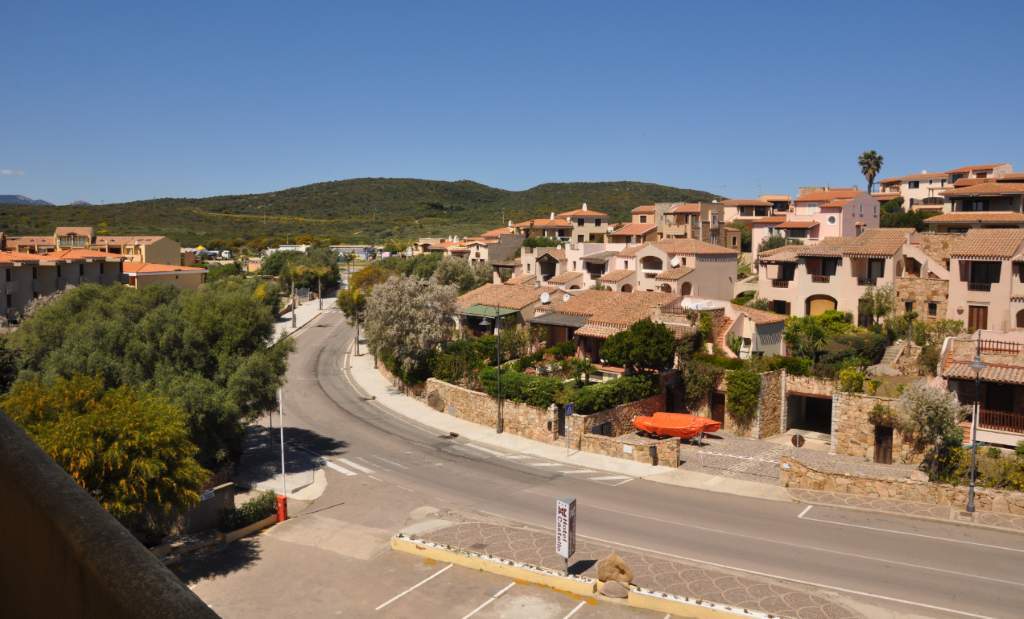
[
  {"x": 883, "y": 444},
  {"x": 718, "y": 407},
  {"x": 977, "y": 317}
]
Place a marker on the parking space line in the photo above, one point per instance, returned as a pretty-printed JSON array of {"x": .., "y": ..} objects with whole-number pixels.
[
  {"x": 610, "y": 478},
  {"x": 489, "y": 600},
  {"x": 358, "y": 467},
  {"x": 578, "y": 472},
  {"x": 804, "y": 513},
  {"x": 545, "y": 464},
  {"x": 573, "y": 611},
  {"x": 417, "y": 585},
  {"x": 339, "y": 468}
]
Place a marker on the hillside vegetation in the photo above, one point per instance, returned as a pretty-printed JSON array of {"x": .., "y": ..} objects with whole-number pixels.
[{"x": 354, "y": 210}]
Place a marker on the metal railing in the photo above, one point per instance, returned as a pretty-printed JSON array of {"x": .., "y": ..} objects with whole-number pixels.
[
  {"x": 997, "y": 346},
  {"x": 1001, "y": 420},
  {"x": 780, "y": 283},
  {"x": 979, "y": 286},
  {"x": 820, "y": 279}
]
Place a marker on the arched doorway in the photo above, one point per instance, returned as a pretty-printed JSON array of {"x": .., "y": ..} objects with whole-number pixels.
[
  {"x": 626, "y": 288},
  {"x": 666, "y": 287},
  {"x": 686, "y": 289},
  {"x": 1020, "y": 319},
  {"x": 819, "y": 304}
]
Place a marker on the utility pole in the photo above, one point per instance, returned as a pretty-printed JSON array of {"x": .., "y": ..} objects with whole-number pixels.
[
  {"x": 977, "y": 365},
  {"x": 319, "y": 293},
  {"x": 280, "y": 408},
  {"x": 294, "y": 302},
  {"x": 500, "y": 423}
]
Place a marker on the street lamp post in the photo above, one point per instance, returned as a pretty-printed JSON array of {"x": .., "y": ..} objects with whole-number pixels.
[
  {"x": 977, "y": 365},
  {"x": 499, "y": 424}
]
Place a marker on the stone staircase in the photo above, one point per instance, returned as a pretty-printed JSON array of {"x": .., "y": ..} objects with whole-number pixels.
[
  {"x": 720, "y": 338},
  {"x": 893, "y": 353}
]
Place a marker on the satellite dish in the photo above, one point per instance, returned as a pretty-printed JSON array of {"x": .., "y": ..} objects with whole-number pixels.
[
  {"x": 545, "y": 298},
  {"x": 674, "y": 261},
  {"x": 566, "y": 297}
]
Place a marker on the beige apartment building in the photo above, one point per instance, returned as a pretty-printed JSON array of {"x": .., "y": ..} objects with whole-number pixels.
[
  {"x": 986, "y": 284},
  {"x": 986, "y": 204},
  {"x": 587, "y": 226},
  {"x": 684, "y": 267},
  {"x": 143, "y": 275},
  {"x": 140, "y": 248},
  {"x": 926, "y": 191},
  {"x": 25, "y": 276},
  {"x": 1001, "y": 398}
]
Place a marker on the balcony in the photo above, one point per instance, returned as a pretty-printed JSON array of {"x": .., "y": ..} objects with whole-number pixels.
[
  {"x": 979, "y": 286},
  {"x": 780, "y": 283},
  {"x": 820, "y": 279},
  {"x": 867, "y": 281},
  {"x": 1000, "y": 347},
  {"x": 1003, "y": 421}
]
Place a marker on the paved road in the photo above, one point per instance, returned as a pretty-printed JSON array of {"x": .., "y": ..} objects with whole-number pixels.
[{"x": 906, "y": 567}]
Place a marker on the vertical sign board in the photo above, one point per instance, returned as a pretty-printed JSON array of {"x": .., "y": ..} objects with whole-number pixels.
[{"x": 565, "y": 527}]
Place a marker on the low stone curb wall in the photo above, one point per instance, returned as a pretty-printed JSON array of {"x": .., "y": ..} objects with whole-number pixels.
[
  {"x": 171, "y": 553},
  {"x": 619, "y": 419},
  {"x": 477, "y": 407},
  {"x": 795, "y": 474},
  {"x": 632, "y": 447},
  {"x": 578, "y": 585}
]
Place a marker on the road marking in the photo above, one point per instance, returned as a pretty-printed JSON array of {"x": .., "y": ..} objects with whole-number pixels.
[
  {"x": 545, "y": 464},
  {"x": 610, "y": 478},
  {"x": 623, "y": 482},
  {"x": 804, "y": 513},
  {"x": 515, "y": 457},
  {"x": 814, "y": 548},
  {"x": 798, "y": 581},
  {"x": 391, "y": 462},
  {"x": 417, "y": 585},
  {"x": 489, "y": 600},
  {"x": 358, "y": 467},
  {"x": 485, "y": 450},
  {"x": 578, "y": 472},
  {"x": 573, "y": 611},
  {"x": 908, "y": 533},
  {"x": 339, "y": 468}
]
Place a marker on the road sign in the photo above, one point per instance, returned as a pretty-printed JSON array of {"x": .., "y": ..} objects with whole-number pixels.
[
  {"x": 570, "y": 408},
  {"x": 565, "y": 527}
]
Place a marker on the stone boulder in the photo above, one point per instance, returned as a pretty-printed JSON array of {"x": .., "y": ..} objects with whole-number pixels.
[
  {"x": 613, "y": 589},
  {"x": 614, "y": 568}
]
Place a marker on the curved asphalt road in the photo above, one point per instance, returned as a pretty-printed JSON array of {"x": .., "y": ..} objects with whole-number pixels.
[{"x": 909, "y": 567}]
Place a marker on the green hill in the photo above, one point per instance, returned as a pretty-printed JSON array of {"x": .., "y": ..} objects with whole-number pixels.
[{"x": 354, "y": 210}]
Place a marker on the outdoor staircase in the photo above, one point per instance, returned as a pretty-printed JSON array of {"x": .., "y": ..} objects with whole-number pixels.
[
  {"x": 720, "y": 338},
  {"x": 893, "y": 353}
]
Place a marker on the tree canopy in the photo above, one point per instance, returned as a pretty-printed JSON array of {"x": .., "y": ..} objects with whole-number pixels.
[
  {"x": 127, "y": 446},
  {"x": 207, "y": 351},
  {"x": 870, "y": 163},
  {"x": 646, "y": 346}
]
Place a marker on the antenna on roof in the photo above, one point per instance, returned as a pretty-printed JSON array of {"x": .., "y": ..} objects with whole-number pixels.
[
  {"x": 545, "y": 298},
  {"x": 674, "y": 261}
]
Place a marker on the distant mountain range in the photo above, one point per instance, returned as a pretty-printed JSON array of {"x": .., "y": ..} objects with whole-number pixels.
[
  {"x": 354, "y": 210},
  {"x": 16, "y": 199}
]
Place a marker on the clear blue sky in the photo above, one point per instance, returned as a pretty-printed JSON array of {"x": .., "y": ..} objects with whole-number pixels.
[{"x": 133, "y": 101}]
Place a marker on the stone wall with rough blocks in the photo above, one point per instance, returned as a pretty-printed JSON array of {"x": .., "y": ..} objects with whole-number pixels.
[
  {"x": 769, "y": 406},
  {"x": 633, "y": 447},
  {"x": 810, "y": 385},
  {"x": 795, "y": 474},
  {"x": 853, "y": 434},
  {"x": 620, "y": 418},
  {"x": 920, "y": 291},
  {"x": 519, "y": 419}
]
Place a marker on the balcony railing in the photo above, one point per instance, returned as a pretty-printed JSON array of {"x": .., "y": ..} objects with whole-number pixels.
[
  {"x": 979, "y": 286},
  {"x": 780, "y": 283},
  {"x": 1005, "y": 421},
  {"x": 820, "y": 279},
  {"x": 867, "y": 281},
  {"x": 996, "y": 346}
]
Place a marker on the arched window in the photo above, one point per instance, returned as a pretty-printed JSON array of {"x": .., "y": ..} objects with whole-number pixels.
[
  {"x": 651, "y": 263},
  {"x": 1020, "y": 319},
  {"x": 687, "y": 288},
  {"x": 666, "y": 287},
  {"x": 626, "y": 288}
]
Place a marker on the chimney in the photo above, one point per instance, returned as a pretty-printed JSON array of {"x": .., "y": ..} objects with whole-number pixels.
[
  {"x": 584, "y": 206},
  {"x": 552, "y": 214},
  {"x": 510, "y": 223}
]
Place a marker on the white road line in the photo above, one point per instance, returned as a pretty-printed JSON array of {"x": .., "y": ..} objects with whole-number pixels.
[
  {"x": 804, "y": 513},
  {"x": 609, "y": 478},
  {"x": 545, "y": 464},
  {"x": 908, "y": 533},
  {"x": 515, "y": 457},
  {"x": 417, "y": 585},
  {"x": 791, "y": 545},
  {"x": 489, "y": 600},
  {"x": 358, "y": 467},
  {"x": 389, "y": 462},
  {"x": 485, "y": 450},
  {"x": 339, "y": 468},
  {"x": 624, "y": 482},
  {"x": 798, "y": 581},
  {"x": 577, "y": 472},
  {"x": 573, "y": 611}
]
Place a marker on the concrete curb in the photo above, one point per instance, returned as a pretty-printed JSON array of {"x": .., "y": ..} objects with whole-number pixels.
[{"x": 639, "y": 597}]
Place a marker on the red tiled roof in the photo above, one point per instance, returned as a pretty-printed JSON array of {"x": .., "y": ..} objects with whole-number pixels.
[
  {"x": 582, "y": 213},
  {"x": 83, "y": 254},
  {"x": 979, "y": 217},
  {"x": 564, "y": 277},
  {"x": 497, "y": 232},
  {"x": 544, "y": 222},
  {"x": 797, "y": 225},
  {"x": 988, "y": 243},
  {"x": 149, "y": 268},
  {"x": 746, "y": 202},
  {"x": 643, "y": 210},
  {"x": 967, "y": 182},
  {"x": 824, "y": 195},
  {"x": 633, "y": 230},
  {"x": 692, "y": 208},
  {"x": 674, "y": 273},
  {"x": 760, "y": 317},
  {"x": 990, "y": 188},
  {"x": 508, "y": 296},
  {"x": 923, "y": 176},
  {"x": 616, "y": 276},
  {"x": 774, "y": 219},
  {"x": 974, "y": 168},
  {"x": 691, "y": 246}
]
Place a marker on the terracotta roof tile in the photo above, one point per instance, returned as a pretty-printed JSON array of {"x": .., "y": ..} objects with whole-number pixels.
[
  {"x": 923, "y": 176},
  {"x": 974, "y": 168},
  {"x": 881, "y": 242},
  {"x": 633, "y": 230},
  {"x": 692, "y": 208},
  {"x": 149, "y": 268},
  {"x": 616, "y": 308},
  {"x": 772, "y": 220},
  {"x": 989, "y": 243},
  {"x": 692, "y": 246},
  {"x": 979, "y": 217},
  {"x": 615, "y": 276},
  {"x": 775, "y": 197},
  {"x": 760, "y": 317},
  {"x": 582, "y": 213},
  {"x": 645, "y": 209},
  {"x": 674, "y": 273},
  {"x": 508, "y": 296},
  {"x": 990, "y": 188},
  {"x": 793, "y": 224},
  {"x": 825, "y": 195},
  {"x": 564, "y": 277},
  {"x": 746, "y": 202}
]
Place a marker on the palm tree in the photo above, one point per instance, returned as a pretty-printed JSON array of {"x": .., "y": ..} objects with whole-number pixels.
[{"x": 870, "y": 165}]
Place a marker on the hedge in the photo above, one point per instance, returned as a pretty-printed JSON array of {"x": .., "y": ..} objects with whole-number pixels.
[
  {"x": 520, "y": 387},
  {"x": 602, "y": 396},
  {"x": 742, "y": 393},
  {"x": 255, "y": 509}
]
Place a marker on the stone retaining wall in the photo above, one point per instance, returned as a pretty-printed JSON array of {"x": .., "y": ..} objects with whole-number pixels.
[
  {"x": 853, "y": 434},
  {"x": 620, "y": 418},
  {"x": 769, "y": 406},
  {"x": 633, "y": 447},
  {"x": 519, "y": 419},
  {"x": 810, "y": 385},
  {"x": 795, "y": 474}
]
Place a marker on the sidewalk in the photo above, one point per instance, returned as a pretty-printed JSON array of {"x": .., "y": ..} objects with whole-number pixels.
[
  {"x": 303, "y": 314},
  {"x": 373, "y": 385},
  {"x": 699, "y": 582}
]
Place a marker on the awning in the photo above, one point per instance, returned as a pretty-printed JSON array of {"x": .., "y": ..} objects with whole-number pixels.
[
  {"x": 487, "y": 311},
  {"x": 558, "y": 319}
]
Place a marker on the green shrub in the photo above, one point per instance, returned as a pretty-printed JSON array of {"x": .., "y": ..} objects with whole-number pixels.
[
  {"x": 517, "y": 386},
  {"x": 541, "y": 241},
  {"x": 561, "y": 350},
  {"x": 742, "y": 393},
  {"x": 602, "y": 396},
  {"x": 851, "y": 380},
  {"x": 458, "y": 363},
  {"x": 255, "y": 509},
  {"x": 727, "y": 363},
  {"x": 797, "y": 366},
  {"x": 699, "y": 378}
]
